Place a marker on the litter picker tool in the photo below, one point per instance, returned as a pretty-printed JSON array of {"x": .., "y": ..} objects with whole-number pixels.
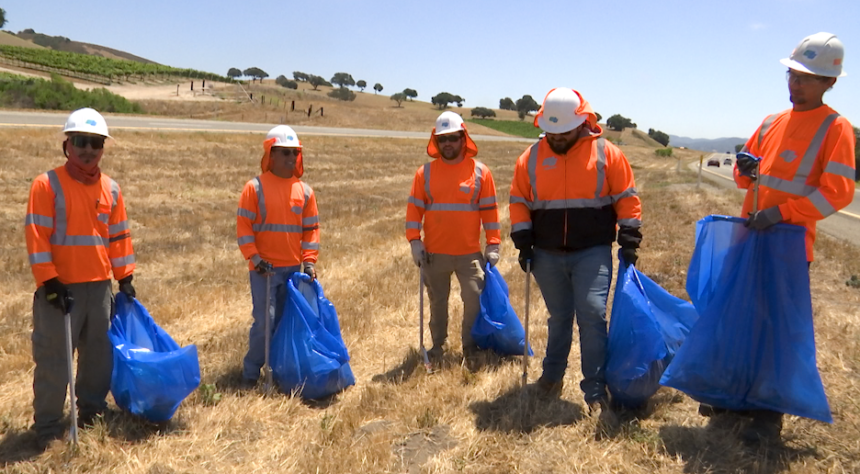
[
  {"x": 73, "y": 402},
  {"x": 526, "y": 325},
  {"x": 427, "y": 365},
  {"x": 267, "y": 368}
]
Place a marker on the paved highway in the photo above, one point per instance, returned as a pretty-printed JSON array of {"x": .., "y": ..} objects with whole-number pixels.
[
  {"x": 845, "y": 224},
  {"x": 121, "y": 122}
]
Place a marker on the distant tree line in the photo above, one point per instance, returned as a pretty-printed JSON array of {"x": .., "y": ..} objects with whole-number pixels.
[
  {"x": 442, "y": 99},
  {"x": 618, "y": 123}
]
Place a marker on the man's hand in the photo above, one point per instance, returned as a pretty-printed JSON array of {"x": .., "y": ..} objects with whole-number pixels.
[
  {"x": 264, "y": 268},
  {"x": 491, "y": 254},
  {"x": 630, "y": 255},
  {"x": 310, "y": 270},
  {"x": 761, "y": 220},
  {"x": 747, "y": 165},
  {"x": 126, "y": 287},
  {"x": 527, "y": 254},
  {"x": 59, "y": 295},
  {"x": 419, "y": 255}
]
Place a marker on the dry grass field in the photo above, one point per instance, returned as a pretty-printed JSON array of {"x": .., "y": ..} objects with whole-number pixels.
[{"x": 181, "y": 193}]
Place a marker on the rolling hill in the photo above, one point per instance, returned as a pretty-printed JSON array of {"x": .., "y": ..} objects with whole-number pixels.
[
  {"x": 30, "y": 38},
  {"x": 716, "y": 144}
]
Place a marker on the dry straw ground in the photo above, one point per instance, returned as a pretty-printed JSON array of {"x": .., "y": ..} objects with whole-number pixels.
[{"x": 181, "y": 193}]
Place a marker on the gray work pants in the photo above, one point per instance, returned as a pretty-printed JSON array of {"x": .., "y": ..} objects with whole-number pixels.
[{"x": 90, "y": 316}]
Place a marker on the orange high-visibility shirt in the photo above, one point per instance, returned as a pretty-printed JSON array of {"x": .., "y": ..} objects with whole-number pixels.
[
  {"x": 453, "y": 201},
  {"x": 277, "y": 221},
  {"x": 575, "y": 201},
  {"x": 77, "y": 232},
  {"x": 807, "y": 167}
]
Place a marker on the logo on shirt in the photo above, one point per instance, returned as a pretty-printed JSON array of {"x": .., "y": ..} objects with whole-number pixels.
[
  {"x": 549, "y": 163},
  {"x": 788, "y": 155},
  {"x": 296, "y": 209}
]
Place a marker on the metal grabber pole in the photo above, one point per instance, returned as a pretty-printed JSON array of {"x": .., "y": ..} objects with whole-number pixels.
[
  {"x": 267, "y": 369},
  {"x": 755, "y": 186},
  {"x": 73, "y": 431},
  {"x": 526, "y": 325},
  {"x": 427, "y": 365}
]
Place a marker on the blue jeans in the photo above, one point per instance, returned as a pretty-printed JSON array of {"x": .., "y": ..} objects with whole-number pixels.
[
  {"x": 576, "y": 283},
  {"x": 256, "y": 356}
]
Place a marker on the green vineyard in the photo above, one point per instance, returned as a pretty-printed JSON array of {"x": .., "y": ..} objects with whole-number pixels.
[{"x": 109, "y": 69}]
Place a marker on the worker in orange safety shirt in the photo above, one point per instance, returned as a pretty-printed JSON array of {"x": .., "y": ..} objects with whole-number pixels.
[
  {"x": 451, "y": 198},
  {"x": 806, "y": 171},
  {"x": 77, "y": 235},
  {"x": 277, "y": 227}
]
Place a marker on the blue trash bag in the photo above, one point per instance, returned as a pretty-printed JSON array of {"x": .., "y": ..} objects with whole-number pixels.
[
  {"x": 308, "y": 352},
  {"x": 754, "y": 345},
  {"x": 497, "y": 326},
  {"x": 646, "y": 328},
  {"x": 151, "y": 373}
]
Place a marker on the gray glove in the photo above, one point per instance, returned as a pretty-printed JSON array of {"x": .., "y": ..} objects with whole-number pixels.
[
  {"x": 264, "y": 268},
  {"x": 419, "y": 255},
  {"x": 491, "y": 254},
  {"x": 747, "y": 165},
  {"x": 310, "y": 270},
  {"x": 761, "y": 220}
]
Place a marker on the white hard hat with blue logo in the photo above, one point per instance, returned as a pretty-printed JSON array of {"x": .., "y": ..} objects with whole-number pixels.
[
  {"x": 820, "y": 54},
  {"x": 449, "y": 122},
  {"x": 86, "y": 120},
  {"x": 558, "y": 114},
  {"x": 284, "y": 136}
]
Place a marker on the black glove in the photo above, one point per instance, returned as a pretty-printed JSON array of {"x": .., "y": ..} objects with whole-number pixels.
[
  {"x": 126, "y": 287},
  {"x": 747, "y": 165},
  {"x": 264, "y": 268},
  {"x": 527, "y": 254},
  {"x": 59, "y": 295},
  {"x": 310, "y": 271},
  {"x": 630, "y": 255},
  {"x": 761, "y": 220}
]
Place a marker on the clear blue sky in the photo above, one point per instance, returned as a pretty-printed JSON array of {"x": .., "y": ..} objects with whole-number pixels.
[{"x": 690, "y": 68}]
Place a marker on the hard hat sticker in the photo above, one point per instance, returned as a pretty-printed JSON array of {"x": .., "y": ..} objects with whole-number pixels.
[
  {"x": 810, "y": 54},
  {"x": 553, "y": 119},
  {"x": 91, "y": 122},
  {"x": 444, "y": 124}
]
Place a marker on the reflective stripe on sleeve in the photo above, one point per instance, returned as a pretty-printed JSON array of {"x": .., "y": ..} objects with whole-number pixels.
[
  {"x": 118, "y": 227},
  {"x": 40, "y": 220},
  {"x": 624, "y": 194},
  {"x": 122, "y": 261},
  {"x": 416, "y": 202},
  {"x": 310, "y": 246},
  {"x": 413, "y": 225},
  {"x": 519, "y": 200},
  {"x": 821, "y": 203},
  {"x": 307, "y": 221},
  {"x": 840, "y": 169},
  {"x": 487, "y": 201},
  {"x": 247, "y": 239},
  {"x": 242, "y": 212},
  {"x": 492, "y": 226},
  {"x": 630, "y": 222},
  {"x": 40, "y": 257},
  {"x": 521, "y": 226}
]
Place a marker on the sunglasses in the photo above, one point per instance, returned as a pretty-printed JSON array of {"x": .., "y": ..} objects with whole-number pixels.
[
  {"x": 81, "y": 141},
  {"x": 291, "y": 152},
  {"x": 802, "y": 79},
  {"x": 448, "y": 138}
]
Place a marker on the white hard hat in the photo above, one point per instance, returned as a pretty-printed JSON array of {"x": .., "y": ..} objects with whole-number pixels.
[
  {"x": 86, "y": 120},
  {"x": 284, "y": 137},
  {"x": 558, "y": 114},
  {"x": 820, "y": 54},
  {"x": 449, "y": 122}
]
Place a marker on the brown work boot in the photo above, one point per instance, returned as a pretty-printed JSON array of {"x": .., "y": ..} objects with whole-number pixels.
[
  {"x": 550, "y": 388},
  {"x": 608, "y": 422},
  {"x": 436, "y": 354}
]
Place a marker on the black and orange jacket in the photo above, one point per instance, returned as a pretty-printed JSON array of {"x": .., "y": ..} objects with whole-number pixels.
[{"x": 582, "y": 199}]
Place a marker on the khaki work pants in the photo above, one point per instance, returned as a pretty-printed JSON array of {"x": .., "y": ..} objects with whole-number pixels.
[
  {"x": 90, "y": 323},
  {"x": 437, "y": 278}
]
